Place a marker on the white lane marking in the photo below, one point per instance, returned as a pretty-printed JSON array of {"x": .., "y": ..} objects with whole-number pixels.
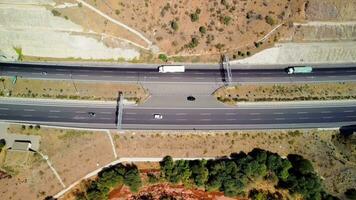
[
  {"x": 243, "y": 73},
  {"x": 205, "y": 120},
  {"x": 79, "y": 112},
  {"x": 130, "y": 113},
  {"x": 62, "y": 70},
  {"x": 304, "y": 118},
  {"x": 107, "y": 76},
  {"x": 199, "y": 78},
  {"x": 109, "y": 71},
  {"x": 130, "y": 72},
  {"x": 105, "y": 118},
  {"x": 54, "y": 111},
  {"x": 256, "y": 119},
  {"x": 4, "y": 109},
  {"x": 154, "y": 77},
  {"x": 26, "y": 115},
  {"x": 280, "y": 118},
  {"x": 324, "y": 112},
  {"x": 255, "y": 113},
  {"x": 181, "y": 119},
  {"x": 29, "y": 110},
  {"x": 199, "y": 73},
  {"x": 106, "y": 112},
  {"x": 181, "y": 113},
  {"x": 54, "y": 117},
  {"x": 351, "y": 116},
  {"x": 231, "y": 119},
  {"x": 230, "y": 113},
  {"x": 328, "y": 117},
  {"x": 302, "y": 112},
  {"x": 82, "y": 75},
  {"x": 129, "y": 118},
  {"x": 278, "y": 113},
  {"x": 59, "y": 74},
  {"x": 205, "y": 113},
  {"x": 35, "y": 73},
  {"x": 348, "y": 111}
]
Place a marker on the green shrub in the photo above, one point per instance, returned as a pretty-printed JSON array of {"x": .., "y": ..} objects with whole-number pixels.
[
  {"x": 56, "y": 13},
  {"x": 174, "y": 25},
  {"x": 270, "y": 20},
  {"x": 194, "y": 17},
  {"x": 163, "y": 57},
  {"x": 351, "y": 193},
  {"x": 202, "y": 30}
]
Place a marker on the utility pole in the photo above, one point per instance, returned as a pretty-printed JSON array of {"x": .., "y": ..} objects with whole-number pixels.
[
  {"x": 226, "y": 65},
  {"x": 120, "y": 107}
]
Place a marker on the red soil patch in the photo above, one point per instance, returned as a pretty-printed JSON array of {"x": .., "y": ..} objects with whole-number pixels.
[{"x": 158, "y": 191}]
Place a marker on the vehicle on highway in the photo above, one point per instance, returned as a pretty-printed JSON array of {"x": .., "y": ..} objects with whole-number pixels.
[
  {"x": 157, "y": 116},
  {"x": 191, "y": 98},
  {"x": 171, "y": 68},
  {"x": 44, "y": 73},
  {"x": 299, "y": 69},
  {"x": 91, "y": 114}
]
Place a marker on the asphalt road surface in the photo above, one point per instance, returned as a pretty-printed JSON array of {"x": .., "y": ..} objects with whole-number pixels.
[
  {"x": 194, "y": 73},
  {"x": 313, "y": 116}
]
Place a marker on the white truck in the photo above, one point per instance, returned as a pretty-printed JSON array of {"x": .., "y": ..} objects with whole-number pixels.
[
  {"x": 171, "y": 68},
  {"x": 299, "y": 70}
]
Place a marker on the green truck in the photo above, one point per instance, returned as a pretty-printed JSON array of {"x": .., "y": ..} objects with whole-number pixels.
[{"x": 299, "y": 69}]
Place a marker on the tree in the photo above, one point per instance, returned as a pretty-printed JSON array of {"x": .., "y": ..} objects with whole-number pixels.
[
  {"x": 163, "y": 57},
  {"x": 174, "y": 25},
  {"x": 132, "y": 178},
  {"x": 167, "y": 165},
  {"x": 202, "y": 30},
  {"x": 302, "y": 165},
  {"x": 194, "y": 17},
  {"x": 350, "y": 193},
  {"x": 270, "y": 20},
  {"x": 2, "y": 144},
  {"x": 200, "y": 173}
]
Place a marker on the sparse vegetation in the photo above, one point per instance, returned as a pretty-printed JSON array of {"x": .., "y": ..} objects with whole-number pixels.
[
  {"x": 287, "y": 92},
  {"x": 163, "y": 57},
  {"x": 174, "y": 25},
  {"x": 2, "y": 144},
  {"x": 56, "y": 13},
  {"x": 19, "y": 53}
]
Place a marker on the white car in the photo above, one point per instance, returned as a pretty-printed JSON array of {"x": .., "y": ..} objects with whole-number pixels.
[{"x": 157, "y": 116}]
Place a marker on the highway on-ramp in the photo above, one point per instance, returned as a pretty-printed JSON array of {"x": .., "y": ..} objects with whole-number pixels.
[{"x": 261, "y": 117}]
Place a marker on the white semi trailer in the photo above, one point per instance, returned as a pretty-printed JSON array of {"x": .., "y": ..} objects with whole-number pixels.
[{"x": 171, "y": 68}]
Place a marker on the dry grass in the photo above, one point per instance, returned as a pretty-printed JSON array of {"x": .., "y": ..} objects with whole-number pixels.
[
  {"x": 229, "y": 25},
  {"x": 70, "y": 90},
  {"x": 287, "y": 92},
  {"x": 73, "y": 154}
]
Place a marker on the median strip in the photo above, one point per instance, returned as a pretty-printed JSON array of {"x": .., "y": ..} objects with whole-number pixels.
[
  {"x": 287, "y": 92},
  {"x": 70, "y": 90}
]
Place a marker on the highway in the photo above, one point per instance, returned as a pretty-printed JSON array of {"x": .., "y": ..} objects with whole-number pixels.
[
  {"x": 134, "y": 117},
  {"x": 201, "y": 115},
  {"x": 209, "y": 74}
]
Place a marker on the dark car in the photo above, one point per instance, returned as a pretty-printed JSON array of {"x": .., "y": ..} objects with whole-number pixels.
[
  {"x": 91, "y": 114},
  {"x": 191, "y": 98}
]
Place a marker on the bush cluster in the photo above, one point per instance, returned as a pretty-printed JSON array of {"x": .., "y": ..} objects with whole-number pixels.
[
  {"x": 112, "y": 177},
  {"x": 232, "y": 175}
]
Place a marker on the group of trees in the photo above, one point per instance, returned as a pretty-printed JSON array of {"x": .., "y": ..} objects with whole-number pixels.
[
  {"x": 2, "y": 144},
  {"x": 232, "y": 175},
  {"x": 112, "y": 177}
]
